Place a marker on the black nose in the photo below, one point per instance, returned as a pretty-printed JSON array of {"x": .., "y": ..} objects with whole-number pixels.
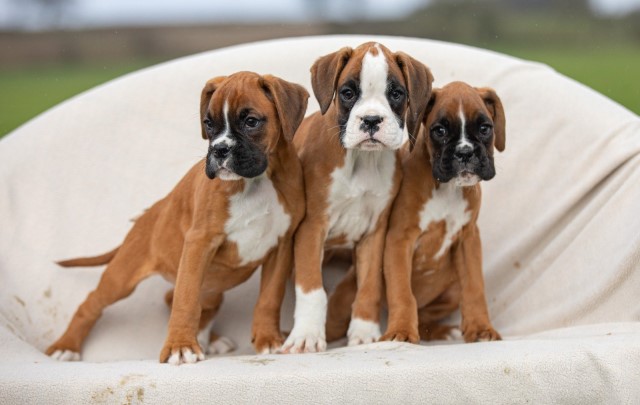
[
  {"x": 221, "y": 150},
  {"x": 371, "y": 121},
  {"x": 463, "y": 153}
]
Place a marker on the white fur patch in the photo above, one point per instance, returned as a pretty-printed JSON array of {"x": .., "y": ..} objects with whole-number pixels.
[
  {"x": 224, "y": 137},
  {"x": 308, "y": 333},
  {"x": 446, "y": 203},
  {"x": 464, "y": 141},
  {"x": 360, "y": 191},
  {"x": 184, "y": 356},
  {"x": 222, "y": 345},
  {"x": 373, "y": 102},
  {"x": 257, "y": 219},
  {"x": 65, "y": 355},
  {"x": 362, "y": 332}
]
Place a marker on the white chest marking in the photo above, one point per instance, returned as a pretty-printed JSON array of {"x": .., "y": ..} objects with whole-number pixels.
[
  {"x": 257, "y": 219},
  {"x": 360, "y": 190},
  {"x": 446, "y": 204}
]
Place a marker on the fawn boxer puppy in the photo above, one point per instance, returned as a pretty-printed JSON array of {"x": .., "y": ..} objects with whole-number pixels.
[
  {"x": 370, "y": 100},
  {"x": 234, "y": 211},
  {"x": 433, "y": 244}
]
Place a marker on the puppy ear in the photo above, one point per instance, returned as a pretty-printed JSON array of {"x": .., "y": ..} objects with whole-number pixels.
[
  {"x": 205, "y": 97},
  {"x": 419, "y": 79},
  {"x": 430, "y": 104},
  {"x": 494, "y": 105},
  {"x": 290, "y": 100},
  {"x": 324, "y": 76}
]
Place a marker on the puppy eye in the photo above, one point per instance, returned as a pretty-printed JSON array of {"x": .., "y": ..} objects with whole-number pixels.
[
  {"x": 208, "y": 123},
  {"x": 396, "y": 94},
  {"x": 485, "y": 129},
  {"x": 347, "y": 94},
  {"x": 251, "y": 122},
  {"x": 439, "y": 131}
]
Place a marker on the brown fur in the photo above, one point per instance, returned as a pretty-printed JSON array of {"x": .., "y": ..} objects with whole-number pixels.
[
  {"x": 320, "y": 152},
  {"x": 420, "y": 289},
  {"x": 182, "y": 237}
]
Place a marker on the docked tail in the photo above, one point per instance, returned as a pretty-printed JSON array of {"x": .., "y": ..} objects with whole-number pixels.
[{"x": 90, "y": 261}]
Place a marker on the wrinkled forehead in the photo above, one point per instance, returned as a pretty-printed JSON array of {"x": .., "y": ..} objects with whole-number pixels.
[
  {"x": 457, "y": 104},
  {"x": 240, "y": 93},
  {"x": 371, "y": 61}
]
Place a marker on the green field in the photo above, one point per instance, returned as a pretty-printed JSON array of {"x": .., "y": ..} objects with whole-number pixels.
[{"x": 27, "y": 92}]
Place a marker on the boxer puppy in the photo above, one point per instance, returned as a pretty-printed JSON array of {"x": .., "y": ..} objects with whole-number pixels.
[
  {"x": 234, "y": 211},
  {"x": 433, "y": 244},
  {"x": 370, "y": 101}
]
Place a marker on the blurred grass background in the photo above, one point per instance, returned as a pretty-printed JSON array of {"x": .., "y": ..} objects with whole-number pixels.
[{"x": 40, "y": 69}]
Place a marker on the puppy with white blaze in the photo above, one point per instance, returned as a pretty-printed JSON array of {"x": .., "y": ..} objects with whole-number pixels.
[
  {"x": 371, "y": 100},
  {"x": 233, "y": 212},
  {"x": 433, "y": 252}
]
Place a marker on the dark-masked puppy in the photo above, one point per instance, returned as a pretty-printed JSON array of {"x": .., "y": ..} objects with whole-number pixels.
[
  {"x": 213, "y": 231},
  {"x": 433, "y": 246},
  {"x": 371, "y": 100}
]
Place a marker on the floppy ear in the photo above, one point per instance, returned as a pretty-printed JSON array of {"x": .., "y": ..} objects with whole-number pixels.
[
  {"x": 430, "y": 104},
  {"x": 290, "y": 100},
  {"x": 419, "y": 79},
  {"x": 324, "y": 76},
  {"x": 205, "y": 97},
  {"x": 494, "y": 105}
]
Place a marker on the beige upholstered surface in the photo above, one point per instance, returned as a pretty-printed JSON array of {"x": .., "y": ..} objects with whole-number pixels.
[{"x": 560, "y": 225}]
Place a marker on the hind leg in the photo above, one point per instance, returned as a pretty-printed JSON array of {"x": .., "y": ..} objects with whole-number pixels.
[
  {"x": 340, "y": 304},
  {"x": 430, "y": 315},
  {"x": 117, "y": 282},
  {"x": 211, "y": 342}
]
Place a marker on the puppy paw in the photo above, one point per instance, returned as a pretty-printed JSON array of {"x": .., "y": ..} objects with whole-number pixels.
[
  {"x": 267, "y": 343},
  {"x": 177, "y": 353},
  {"x": 436, "y": 331},
  {"x": 480, "y": 334},
  {"x": 401, "y": 334},
  {"x": 65, "y": 355},
  {"x": 221, "y": 345},
  {"x": 362, "y": 332},
  {"x": 305, "y": 340}
]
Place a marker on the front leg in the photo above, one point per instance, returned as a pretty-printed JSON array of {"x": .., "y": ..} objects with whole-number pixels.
[
  {"x": 473, "y": 307},
  {"x": 365, "y": 319},
  {"x": 308, "y": 333},
  {"x": 266, "y": 336},
  {"x": 181, "y": 345},
  {"x": 398, "y": 260}
]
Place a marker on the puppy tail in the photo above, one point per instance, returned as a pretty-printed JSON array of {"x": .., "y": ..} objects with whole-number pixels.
[{"x": 89, "y": 261}]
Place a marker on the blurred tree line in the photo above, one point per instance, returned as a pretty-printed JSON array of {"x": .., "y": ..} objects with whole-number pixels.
[{"x": 524, "y": 22}]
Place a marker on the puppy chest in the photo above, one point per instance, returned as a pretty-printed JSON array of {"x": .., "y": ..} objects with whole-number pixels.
[
  {"x": 256, "y": 220},
  {"x": 442, "y": 217},
  {"x": 359, "y": 192}
]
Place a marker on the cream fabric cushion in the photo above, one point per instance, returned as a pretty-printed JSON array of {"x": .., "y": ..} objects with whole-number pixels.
[{"x": 560, "y": 226}]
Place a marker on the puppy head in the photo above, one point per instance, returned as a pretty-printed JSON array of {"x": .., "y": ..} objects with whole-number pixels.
[
  {"x": 379, "y": 96},
  {"x": 245, "y": 117},
  {"x": 463, "y": 124}
]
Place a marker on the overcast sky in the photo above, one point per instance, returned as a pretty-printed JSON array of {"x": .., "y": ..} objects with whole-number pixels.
[{"x": 86, "y": 13}]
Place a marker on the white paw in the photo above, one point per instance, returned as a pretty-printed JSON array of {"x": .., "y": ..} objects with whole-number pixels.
[
  {"x": 65, "y": 355},
  {"x": 307, "y": 341},
  {"x": 203, "y": 337},
  {"x": 184, "y": 356},
  {"x": 221, "y": 345},
  {"x": 455, "y": 334},
  {"x": 308, "y": 334},
  {"x": 362, "y": 332},
  {"x": 271, "y": 350}
]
